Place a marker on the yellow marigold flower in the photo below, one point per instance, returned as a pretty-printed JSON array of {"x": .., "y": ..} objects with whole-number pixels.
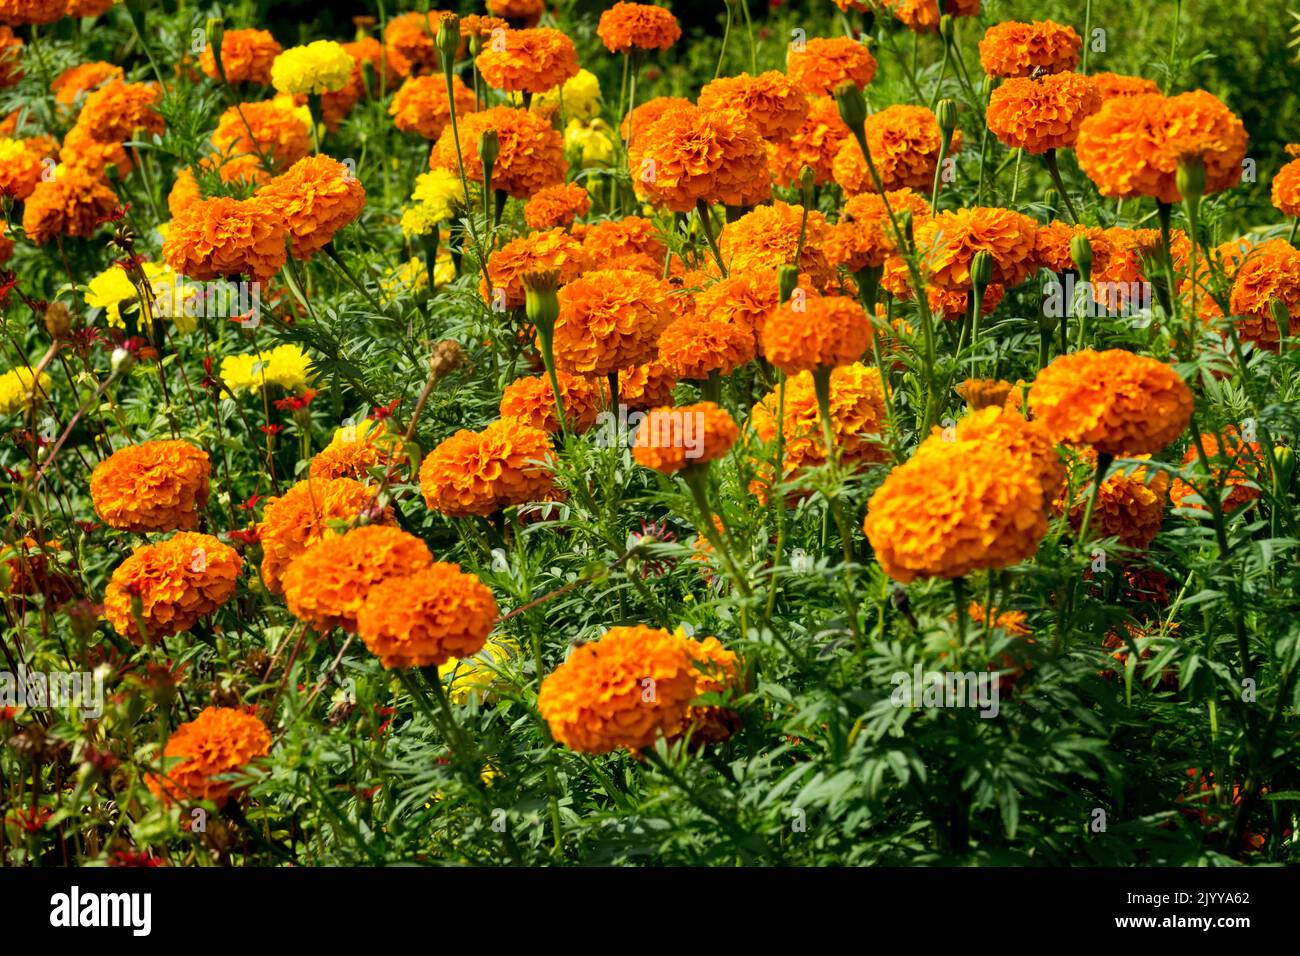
[
  {"x": 950, "y": 240},
  {"x": 531, "y": 153},
  {"x": 322, "y": 66},
  {"x": 427, "y": 618},
  {"x": 857, "y": 408},
  {"x": 357, "y": 449},
  {"x": 328, "y": 583},
  {"x": 531, "y": 401},
  {"x": 177, "y": 581},
  {"x": 1286, "y": 189},
  {"x": 767, "y": 237},
  {"x": 474, "y": 676},
  {"x": 421, "y": 105},
  {"x": 630, "y": 687},
  {"x": 404, "y": 279},
  {"x": 287, "y": 366},
  {"x": 112, "y": 288},
  {"x": 774, "y": 105},
  {"x": 590, "y": 142},
  {"x": 1117, "y": 402},
  {"x": 948, "y": 515},
  {"x": 1015, "y": 49},
  {"x": 316, "y": 198},
  {"x": 1042, "y": 113},
  {"x": 246, "y": 57},
  {"x": 304, "y": 515},
  {"x": 556, "y": 206},
  {"x": 815, "y": 332},
  {"x": 479, "y": 473},
  {"x": 625, "y": 27},
  {"x": 204, "y": 753},
  {"x": 1235, "y": 464},
  {"x": 672, "y": 438},
  {"x": 690, "y": 155},
  {"x": 816, "y": 142},
  {"x": 610, "y": 319},
  {"x": 577, "y": 98},
  {"x": 697, "y": 345},
  {"x": 552, "y": 250},
  {"x": 904, "y": 142},
  {"x": 19, "y": 387},
  {"x": 530, "y": 61},
  {"x": 154, "y": 486},
  {"x": 825, "y": 63}
]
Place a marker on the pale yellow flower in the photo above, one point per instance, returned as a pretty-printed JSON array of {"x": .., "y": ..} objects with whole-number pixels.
[
  {"x": 581, "y": 95},
  {"x": 319, "y": 67},
  {"x": 16, "y": 389}
]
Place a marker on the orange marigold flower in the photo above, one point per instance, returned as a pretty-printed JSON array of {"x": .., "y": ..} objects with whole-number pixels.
[
  {"x": 21, "y": 168},
  {"x": 984, "y": 393},
  {"x": 865, "y": 235},
  {"x": 743, "y": 299},
  {"x": 114, "y": 111},
  {"x": 768, "y": 236},
  {"x": 950, "y": 240},
  {"x": 421, "y": 105},
  {"x": 609, "y": 320},
  {"x": 612, "y": 239},
  {"x": 304, "y": 515},
  {"x": 815, "y": 143},
  {"x": 409, "y": 41},
  {"x": 670, "y": 439},
  {"x": 1235, "y": 465},
  {"x": 1286, "y": 189},
  {"x": 824, "y": 63},
  {"x": 1015, "y": 49},
  {"x": 951, "y": 305},
  {"x": 89, "y": 8},
  {"x": 556, "y": 206},
  {"x": 857, "y": 408},
  {"x": 552, "y": 250},
  {"x": 1113, "y": 85},
  {"x": 23, "y": 12},
  {"x": 816, "y": 332},
  {"x": 11, "y": 57},
  {"x": 904, "y": 142},
  {"x": 479, "y": 473},
  {"x": 223, "y": 238},
  {"x": 528, "y": 61},
  {"x": 1027, "y": 442},
  {"x": 82, "y": 78},
  {"x": 427, "y": 618},
  {"x": 153, "y": 486},
  {"x": 1117, "y": 402},
  {"x": 176, "y": 581},
  {"x": 1132, "y": 146},
  {"x": 631, "y": 686},
  {"x": 531, "y": 151},
  {"x": 246, "y": 57},
  {"x": 625, "y": 27},
  {"x": 316, "y": 198},
  {"x": 531, "y": 401},
  {"x": 948, "y": 515},
  {"x": 1130, "y": 505},
  {"x": 639, "y": 119},
  {"x": 1042, "y": 113},
  {"x": 690, "y": 155},
  {"x": 770, "y": 102},
  {"x": 520, "y": 12},
  {"x": 922, "y": 16},
  {"x": 220, "y": 742},
  {"x": 327, "y": 584},
  {"x": 647, "y": 385},
  {"x": 336, "y": 104},
  {"x": 698, "y": 346},
  {"x": 80, "y": 150},
  {"x": 1052, "y": 246},
  {"x": 73, "y": 203},
  {"x": 1269, "y": 272},
  {"x": 271, "y": 128},
  {"x": 357, "y": 449}
]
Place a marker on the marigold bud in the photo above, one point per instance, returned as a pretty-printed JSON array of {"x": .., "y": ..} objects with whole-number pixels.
[
  {"x": 852, "y": 104},
  {"x": 1190, "y": 178},
  {"x": 787, "y": 279},
  {"x": 981, "y": 268},
  {"x": 945, "y": 112},
  {"x": 449, "y": 38},
  {"x": 541, "y": 304},
  {"x": 1081, "y": 253},
  {"x": 1285, "y": 457}
]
